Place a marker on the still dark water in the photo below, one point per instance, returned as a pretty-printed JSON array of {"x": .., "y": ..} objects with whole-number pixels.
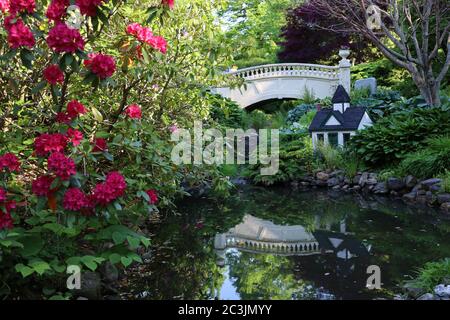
[{"x": 284, "y": 244}]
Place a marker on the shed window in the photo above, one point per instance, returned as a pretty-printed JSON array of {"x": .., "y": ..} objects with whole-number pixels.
[
  {"x": 320, "y": 137},
  {"x": 333, "y": 139}
]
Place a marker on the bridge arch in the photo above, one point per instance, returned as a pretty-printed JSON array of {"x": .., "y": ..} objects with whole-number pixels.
[{"x": 287, "y": 81}]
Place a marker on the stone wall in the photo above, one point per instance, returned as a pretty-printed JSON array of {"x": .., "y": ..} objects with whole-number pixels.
[{"x": 411, "y": 190}]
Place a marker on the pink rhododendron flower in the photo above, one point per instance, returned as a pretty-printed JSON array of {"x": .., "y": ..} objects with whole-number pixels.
[
  {"x": 61, "y": 165},
  {"x": 75, "y": 200},
  {"x": 46, "y": 143},
  {"x": 113, "y": 188},
  {"x": 145, "y": 35},
  {"x": 101, "y": 65},
  {"x": 19, "y": 6},
  {"x": 75, "y": 108},
  {"x": 153, "y": 196},
  {"x": 53, "y": 74},
  {"x": 74, "y": 136},
  {"x": 2, "y": 195},
  {"x": 168, "y": 3},
  {"x": 134, "y": 111},
  {"x": 10, "y": 161},
  {"x": 19, "y": 35},
  {"x": 63, "y": 117},
  {"x": 61, "y": 38},
  {"x": 57, "y": 10},
  {"x": 4, "y": 5},
  {"x": 89, "y": 7},
  {"x": 6, "y": 221},
  {"x": 41, "y": 186},
  {"x": 100, "y": 145}
]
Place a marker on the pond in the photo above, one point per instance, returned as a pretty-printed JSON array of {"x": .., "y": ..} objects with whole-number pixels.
[{"x": 286, "y": 244}]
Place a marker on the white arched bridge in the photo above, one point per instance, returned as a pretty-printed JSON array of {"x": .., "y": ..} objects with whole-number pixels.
[{"x": 287, "y": 81}]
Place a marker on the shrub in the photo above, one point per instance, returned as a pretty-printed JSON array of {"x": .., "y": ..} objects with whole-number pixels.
[
  {"x": 296, "y": 156},
  {"x": 432, "y": 274},
  {"x": 430, "y": 161},
  {"x": 225, "y": 111},
  {"x": 298, "y": 112},
  {"x": 390, "y": 139}
]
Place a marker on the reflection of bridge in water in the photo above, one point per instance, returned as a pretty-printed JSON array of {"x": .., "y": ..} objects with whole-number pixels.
[
  {"x": 262, "y": 236},
  {"x": 257, "y": 235}
]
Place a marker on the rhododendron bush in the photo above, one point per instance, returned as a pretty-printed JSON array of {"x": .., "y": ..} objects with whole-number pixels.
[{"x": 86, "y": 113}]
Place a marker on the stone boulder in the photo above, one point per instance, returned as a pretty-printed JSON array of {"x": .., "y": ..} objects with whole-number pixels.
[
  {"x": 443, "y": 198},
  {"x": 380, "y": 188},
  {"x": 442, "y": 291},
  {"x": 333, "y": 182},
  {"x": 446, "y": 207},
  {"x": 395, "y": 184},
  {"x": 430, "y": 182},
  {"x": 91, "y": 286},
  {"x": 410, "y": 181},
  {"x": 323, "y": 176},
  {"x": 363, "y": 179},
  {"x": 411, "y": 197}
]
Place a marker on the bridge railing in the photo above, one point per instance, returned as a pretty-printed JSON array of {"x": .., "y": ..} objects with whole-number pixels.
[{"x": 288, "y": 70}]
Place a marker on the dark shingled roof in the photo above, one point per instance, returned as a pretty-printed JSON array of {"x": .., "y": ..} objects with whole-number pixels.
[
  {"x": 340, "y": 96},
  {"x": 349, "y": 120}
]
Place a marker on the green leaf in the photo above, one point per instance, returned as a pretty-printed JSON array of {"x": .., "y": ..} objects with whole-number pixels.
[
  {"x": 133, "y": 242},
  {"x": 90, "y": 262},
  {"x": 114, "y": 258},
  {"x": 97, "y": 114},
  {"x": 126, "y": 261},
  {"x": 32, "y": 245},
  {"x": 40, "y": 266},
  {"x": 118, "y": 237},
  {"x": 24, "y": 270}
]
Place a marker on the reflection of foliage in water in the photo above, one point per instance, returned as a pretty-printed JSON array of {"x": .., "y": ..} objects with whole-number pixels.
[{"x": 264, "y": 276}]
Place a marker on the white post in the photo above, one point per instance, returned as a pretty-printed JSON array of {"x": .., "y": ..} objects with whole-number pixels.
[
  {"x": 344, "y": 70},
  {"x": 340, "y": 139}
]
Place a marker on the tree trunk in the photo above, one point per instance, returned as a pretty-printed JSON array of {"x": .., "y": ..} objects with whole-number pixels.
[{"x": 429, "y": 89}]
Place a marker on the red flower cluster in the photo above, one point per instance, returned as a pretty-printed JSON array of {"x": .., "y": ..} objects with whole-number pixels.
[
  {"x": 6, "y": 221},
  {"x": 89, "y": 7},
  {"x": 153, "y": 196},
  {"x": 100, "y": 145},
  {"x": 46, "y": 143},
  {"x": 61, "y": 38},
  {"x": 41, "y": 186},
  {"x": 21, "y": 6},
  {"x": 134, "y": 111},
  {"x": 19, "y": 35},
  {"x": 101, "y": 65},
  {"x": 145, "y": 35},
  {"x": 2, "y": 195},
  {"x": 75, "y": 200},
  {"x": 168, "y": 3},
  {"x": 74, "y": 109},
  {"x": 113, "y": 188},
  {"x": 10, "y": 161},
  {"x": 61, "y": 165},
  {"x": 74, "y": 136},
  {"x": 53, "y": 74},
  {"x": 57, "y": 9}
]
